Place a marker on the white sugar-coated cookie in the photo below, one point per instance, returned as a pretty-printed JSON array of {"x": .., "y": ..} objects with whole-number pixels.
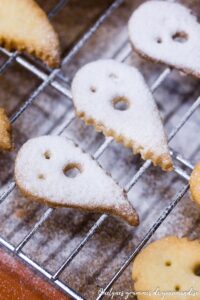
[
  {"x": 99, "y": 87},
  {"x": 41, "y": 174},
  {"x": 167, "y": 32},
  {"x": 168, "y": 265}
]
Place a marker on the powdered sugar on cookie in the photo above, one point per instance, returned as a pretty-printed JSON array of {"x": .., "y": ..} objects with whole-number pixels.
[
  {"x": 42, "y": 172},
  {"x": 25, "y": 26},
  {"x": 167, "y": 32},
  {"x": 115, "y": 99}
]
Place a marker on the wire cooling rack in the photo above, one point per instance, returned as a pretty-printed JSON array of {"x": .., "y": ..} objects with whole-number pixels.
[{"x": 55, "y": 79}]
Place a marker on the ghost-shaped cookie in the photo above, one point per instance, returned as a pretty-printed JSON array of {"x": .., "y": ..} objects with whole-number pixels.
[
  {"x": 52, "y": 170},
  {"x": 114, "y": 98},
  {"x": 167, "y": 32}
]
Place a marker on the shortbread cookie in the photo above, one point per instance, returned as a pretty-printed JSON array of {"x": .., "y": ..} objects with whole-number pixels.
[
  {"x": 170, "y": 265},
  {"x": 24, "y": 26},
  {"x": 5, "y": 131},
  {"x": 195, "y": 183},
  {"x": 114, "y": 98},
  {"x": 167, "y": 32},
  {"x": 42, "y": 173}
]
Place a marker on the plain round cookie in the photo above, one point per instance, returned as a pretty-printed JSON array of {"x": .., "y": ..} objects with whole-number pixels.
[
  {"x": 195, "y": 183},
  {"x": 169, "y": 264},
  {"x": 167, "y": 32}
]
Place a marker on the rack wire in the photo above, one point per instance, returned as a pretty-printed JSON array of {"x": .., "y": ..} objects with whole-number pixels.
[{"x": 50, "y": 77}]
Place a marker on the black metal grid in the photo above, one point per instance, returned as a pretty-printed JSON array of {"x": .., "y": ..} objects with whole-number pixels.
[{"x": 50, "y": 77}]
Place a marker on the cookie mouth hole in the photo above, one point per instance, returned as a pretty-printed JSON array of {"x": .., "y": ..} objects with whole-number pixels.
[
  {"x": 72, "y": 170},
  {"x": 180, "y": 37},
  {"x": 120, "y": 103},
  {"x": 47, "y": 155},
  {"x": 177, "y": 288},
  {"x": 168, "y": 263},
  {"x": 41, "y": 176},
  {"x": 197, "y": 270},
  {"x": 93, "y": 89}
]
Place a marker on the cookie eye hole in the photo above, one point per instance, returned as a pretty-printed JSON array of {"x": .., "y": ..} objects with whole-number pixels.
[
  {"x": 197, "y": 270},
  {"x": 72, "y": 170},
  {"x": 41, "y": 176},
  {"x": 93, "y": 89},
  {"x": 180, "y": 37},
  {"x": 159, "y": 40},
  {"x": 168, "y": 263},
  {"x": 113, "y": 76},
  {"x": 120, "y": 103},
  {"x": 47, "y": 155},
  {"x": 177, "y": 288}
]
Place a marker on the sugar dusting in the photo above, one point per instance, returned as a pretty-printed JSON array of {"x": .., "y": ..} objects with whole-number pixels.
[
  {"x": 40, "y": 173},
  {"x": 99, "y": 85},
  {"x": 167, "y": 32},
  {"x": 107, "y": 250}
]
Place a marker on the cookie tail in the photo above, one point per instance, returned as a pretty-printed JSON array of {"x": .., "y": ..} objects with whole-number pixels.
[
  {"x": 124, "y": 210},
  {"x": 127, "y": 213}
]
